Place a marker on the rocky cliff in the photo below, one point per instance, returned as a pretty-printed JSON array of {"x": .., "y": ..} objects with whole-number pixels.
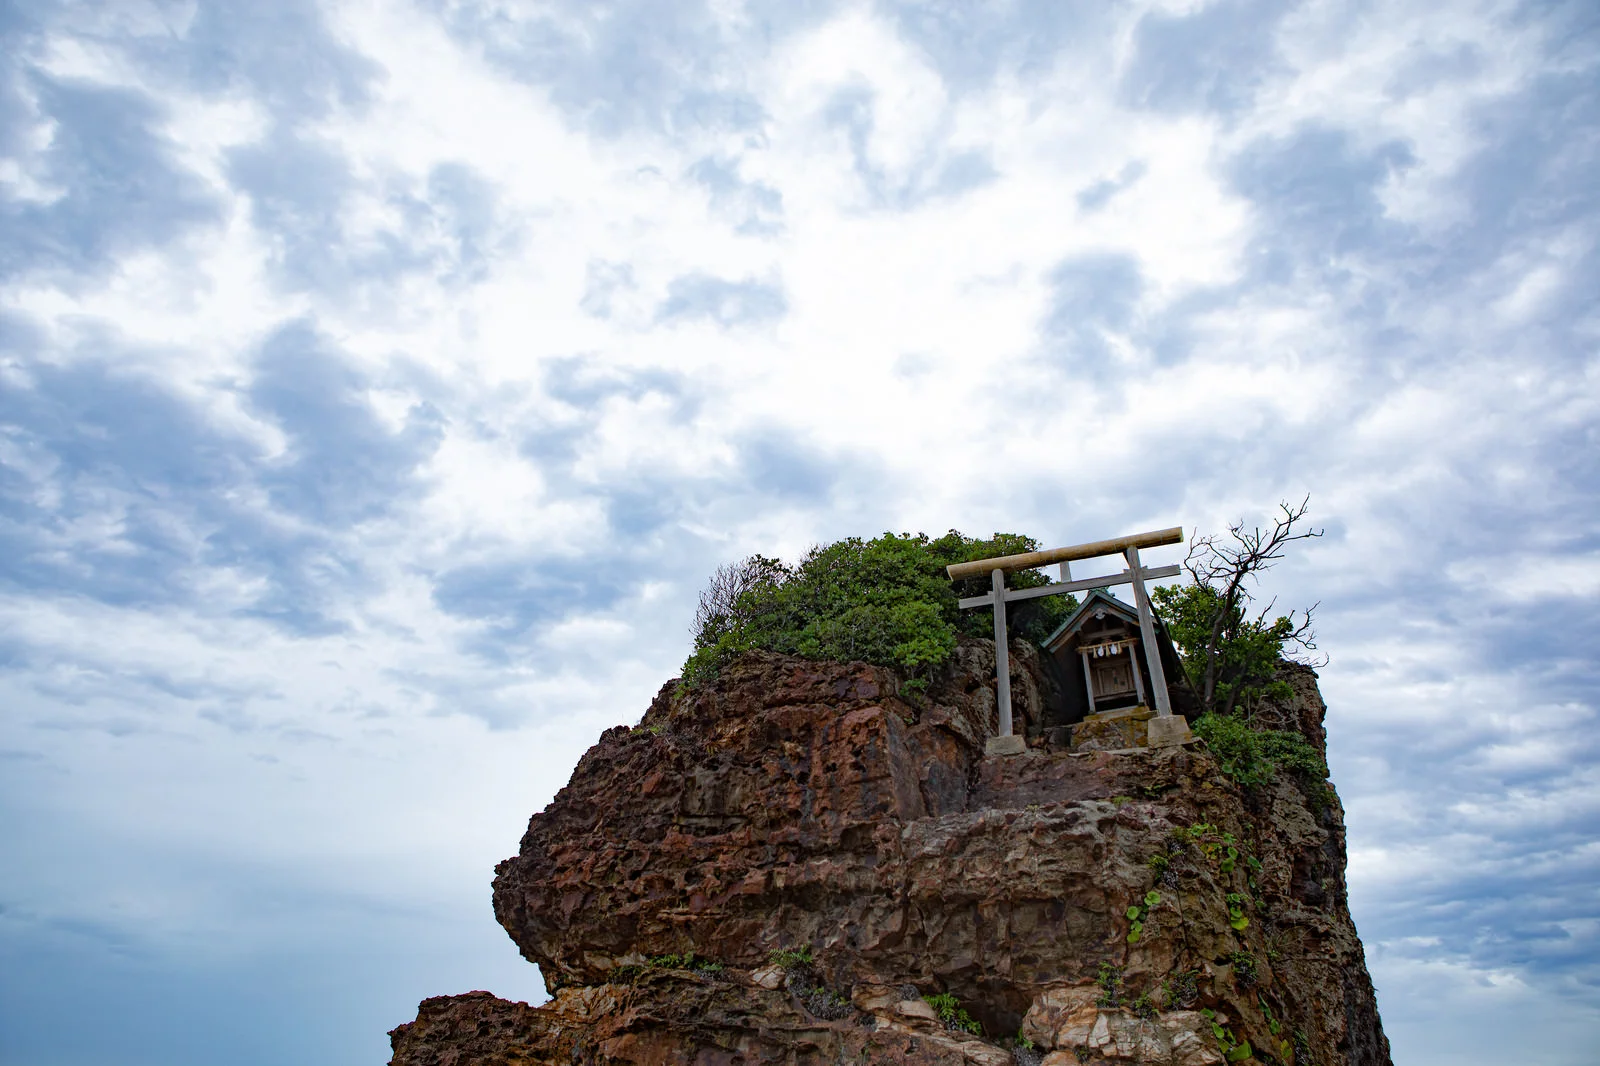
[{"x": 800, "y": 864}]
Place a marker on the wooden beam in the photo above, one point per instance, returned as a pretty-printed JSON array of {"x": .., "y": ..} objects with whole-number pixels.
[
  {"x": 1080, "y": 585},
  {"x": 1029, "y": 560}
]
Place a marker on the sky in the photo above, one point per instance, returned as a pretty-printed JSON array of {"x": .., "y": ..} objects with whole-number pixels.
[{"x": 381, "y": 381}]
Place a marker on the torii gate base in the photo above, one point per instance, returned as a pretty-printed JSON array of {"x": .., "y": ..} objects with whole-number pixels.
[
  {"x": 1164, "y": 731},
  {"x": 1169, "y": 731},
  {"x": 1008, "y": 745}
]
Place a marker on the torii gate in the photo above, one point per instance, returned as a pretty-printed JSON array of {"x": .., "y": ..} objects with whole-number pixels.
[{"x": 1136, "y": 575}]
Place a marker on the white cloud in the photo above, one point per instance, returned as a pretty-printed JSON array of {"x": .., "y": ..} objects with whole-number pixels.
[{"x": 1387, "y": 317}]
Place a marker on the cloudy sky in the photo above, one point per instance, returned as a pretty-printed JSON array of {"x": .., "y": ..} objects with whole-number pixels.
[{"x": 379, "y": 381}]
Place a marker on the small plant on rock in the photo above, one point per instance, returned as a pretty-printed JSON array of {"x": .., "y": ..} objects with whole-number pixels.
[
  {"x": 799, "y": 966},
  {"x": 1026, "y": 1056},
  {"x": 1181, "y": 989},
  {"x": 626, "y": 974},
  {"x": 953, "y": 1015},
  {"x": 1137, "y": 914},
  {"x": 1110, "y": 982},
  {"x": 1244, "y": 967},
  {"x": 827, "y": 1004},
  {"x": 1236, "y": 915},
  {"x": 1233, "y": 1049},
  {"x": 790, "y": 958}
]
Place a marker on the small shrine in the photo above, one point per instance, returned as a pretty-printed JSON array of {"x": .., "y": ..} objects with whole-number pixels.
[
  {"x": 1098, "y": 651},
  {"x": 1098, "y": 656}
]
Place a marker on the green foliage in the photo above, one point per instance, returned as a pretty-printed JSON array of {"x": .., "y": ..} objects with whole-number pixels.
[
  {"x": 1137, "y": 914},
  {"x": 1180, "y": 989},
  {"x": 1022, "y": 1042},
  {"x": 790, "y": 958},
  {"x": 952, "y": 1014},
  {"x": 886, "y": 601},
  {"x": 1231, "y": 656},
  {"x": 631, "y": 972},
  {"x": 1110, "y": 982},
  {"x": 1233, "y": 659},
  {"x": 1144, "y": 1006},
  {"x": 626, "y": 974},
  {"x": 1248, "y": 652},
  {"x": 1233, "y": 1049},
  {"x": 1236, "y": 915},
  {"x": 1215, "y": 845},
  {"x": 804, "y": 982},
  {"x": 1251, "y": 756},
  {"x": 1244, "y": 967},
  {"x": 826, "y": 1003},
  {"x": 1159, "y": 863},
  {"x": 687, "y": 961}
]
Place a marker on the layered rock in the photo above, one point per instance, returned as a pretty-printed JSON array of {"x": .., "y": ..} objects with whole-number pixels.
[{"x": 1100, "y": 906}]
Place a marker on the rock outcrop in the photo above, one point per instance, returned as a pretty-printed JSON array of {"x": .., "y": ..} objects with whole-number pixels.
[{"x": 786, "y": 865}]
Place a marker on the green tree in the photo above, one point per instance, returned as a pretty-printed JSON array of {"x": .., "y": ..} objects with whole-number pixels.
[
  {"x": 886, "y": 600},
  {"x": 1230, "y": 652}
]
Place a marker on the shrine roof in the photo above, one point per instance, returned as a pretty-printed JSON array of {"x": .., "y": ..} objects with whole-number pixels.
[{"x": 1076, "y": 619}]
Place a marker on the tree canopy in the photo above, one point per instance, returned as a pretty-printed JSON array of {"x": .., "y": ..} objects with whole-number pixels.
[{"x": 886, "y": 601}]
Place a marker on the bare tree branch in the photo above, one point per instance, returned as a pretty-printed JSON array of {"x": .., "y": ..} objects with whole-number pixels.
[
  {"x": 718, "y": 607},
  {"x": 1228, "y": 567}
]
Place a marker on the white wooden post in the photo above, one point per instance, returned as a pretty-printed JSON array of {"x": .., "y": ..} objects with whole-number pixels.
[
  {"x": 1138, "y": 678},
  {"x": 1147, "y": 627},
  {"x": 1002, "y": 654},
  {"x": 1088, "y": 679}
]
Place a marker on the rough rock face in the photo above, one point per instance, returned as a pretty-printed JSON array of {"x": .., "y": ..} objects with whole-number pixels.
[{"x": 1100, "y": 906}]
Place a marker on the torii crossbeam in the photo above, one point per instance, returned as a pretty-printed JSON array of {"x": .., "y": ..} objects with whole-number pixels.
[{"x": 1136, "y": 575}]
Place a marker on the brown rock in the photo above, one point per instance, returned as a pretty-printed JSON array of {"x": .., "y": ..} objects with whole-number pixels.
[
  {"x": 796, "y": 804},
  {"x": 917, "y": 1010}
]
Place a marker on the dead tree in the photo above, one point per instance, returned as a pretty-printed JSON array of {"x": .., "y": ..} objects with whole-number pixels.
[
  {"x": 718, "y": 610},
  {"x": 1227, "y": 568}
]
